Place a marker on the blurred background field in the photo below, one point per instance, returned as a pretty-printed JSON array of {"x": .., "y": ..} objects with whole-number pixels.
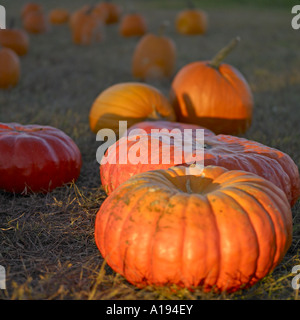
[{"x": 46, "y": 242}]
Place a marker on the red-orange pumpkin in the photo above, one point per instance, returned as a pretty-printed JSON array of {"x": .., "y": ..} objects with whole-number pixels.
[
  {"x": 214, "y": 95},
  {"x": 10, "y": 68},
  {"x": 36, "y": 158},
  {"x": 226, "y": 151},
  {"x": 218, "y": 229}
]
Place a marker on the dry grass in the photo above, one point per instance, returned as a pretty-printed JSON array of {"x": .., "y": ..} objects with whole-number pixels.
[{"x": 46, "y": 241}]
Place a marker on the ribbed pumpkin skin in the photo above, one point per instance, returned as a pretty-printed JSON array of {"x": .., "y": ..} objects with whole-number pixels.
[
  {"x": 154, "y": 57},
  {"x": 132, "y": 102},
  {"x": 231, "y": 152},
  {"x": 218, "y": 99},
  {"x": 36, "y": 158},
  {"x": 10, "y": 68},
  {"x": 223, "y": 230}
]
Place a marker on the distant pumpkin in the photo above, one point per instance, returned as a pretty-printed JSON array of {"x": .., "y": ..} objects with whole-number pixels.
[
  {"x": 59, "y": 16},
  {"x": 133, "y": 24},
  {"x": 191, "y": 22},
  {"x": 154, "y": 57},
  {"x": 36, "y": 22},
  {"x": 15, "y": 39},
  {"x": 30, "y": 7},
  {"x": 86, "y": 26},
  {"x": 10, "y": 68},
  {"x": 113, "y": 10}
]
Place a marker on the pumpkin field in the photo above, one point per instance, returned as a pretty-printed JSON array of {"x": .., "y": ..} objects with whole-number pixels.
[{"x": 74, "y": 227}]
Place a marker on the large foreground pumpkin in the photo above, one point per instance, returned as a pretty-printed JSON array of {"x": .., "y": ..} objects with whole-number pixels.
[
  {"x": 36, "y": 158},
  {"x": 130, "y": 101},
  {"x": 214, "y": 95},
  {"x": 223, "y": 230},
  {"x": 231, "y": 152}
]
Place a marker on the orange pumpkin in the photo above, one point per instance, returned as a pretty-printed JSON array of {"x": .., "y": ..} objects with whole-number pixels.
[
  {"x": 133, "y": 24},
  {"x": 86, "y": 26},
  {"x": 9, "y": 68},
  {"x": 15, "y": 39},
  {"x": 214, "y": 95},
  {"x": 58, "y": 16},
  {"x": 154, "y": 57},
  {"x": 191, "y": 22},
  {"x": 132, "y": 102},
  {"x": 230, "y": 152},
  {"x": 30, "y": 7},
  {"x": 36, "y": 22},
  {"x": 218, "y": 229},
  {"x": 113, "y": 11}
]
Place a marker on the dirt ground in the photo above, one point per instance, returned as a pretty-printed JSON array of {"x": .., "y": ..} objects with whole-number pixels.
[{"x": 47, "y": 241}]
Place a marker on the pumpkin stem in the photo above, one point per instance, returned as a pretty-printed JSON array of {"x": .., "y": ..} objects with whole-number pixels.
[
  {"x": 154, "y": 115},
  {"x": 223, "y": 53}
]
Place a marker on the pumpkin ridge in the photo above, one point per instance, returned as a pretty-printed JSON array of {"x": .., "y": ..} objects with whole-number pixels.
[
  {"x": 239, "y": 260},
  {"x": 218, "y": 239},
  {"x": 124, "y": 97},
  {"x": 249, "y": 220},
  {"x": 276, "y": 220},
  {"x": 271, "y": 222},
  {"x": 131, "y": 211},
  {"x": 155, "y": 103},
  {"x": 153, "y": 241}
]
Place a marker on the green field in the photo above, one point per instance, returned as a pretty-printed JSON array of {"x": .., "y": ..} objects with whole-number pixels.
[{"x": 47, "y": 241}]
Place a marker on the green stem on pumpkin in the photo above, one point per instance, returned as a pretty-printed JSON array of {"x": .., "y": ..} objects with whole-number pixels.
[{"x": 223, "y": 53}]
